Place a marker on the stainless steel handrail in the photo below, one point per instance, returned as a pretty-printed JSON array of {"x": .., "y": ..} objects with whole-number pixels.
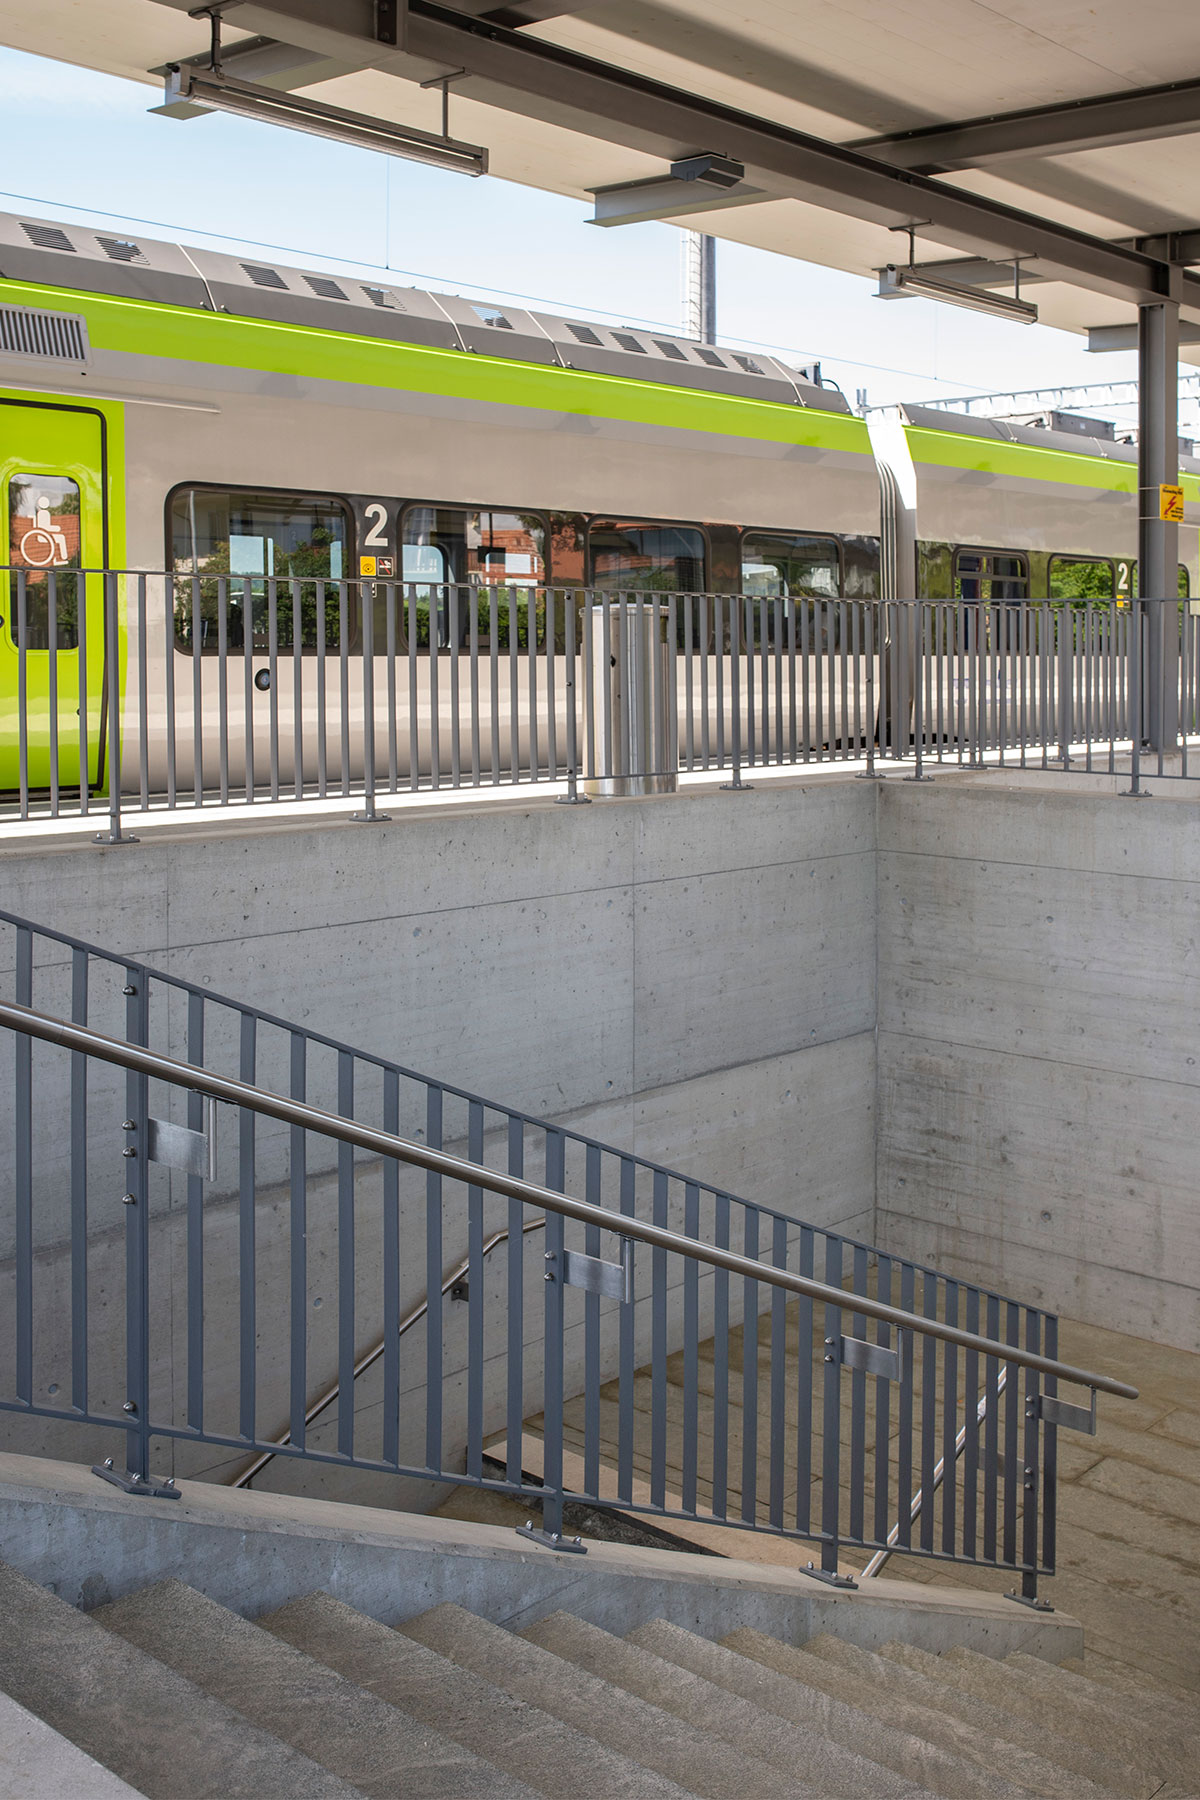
[
  {"x": 372, "y": 1356},
  {"x": 32, "y": 1023}
]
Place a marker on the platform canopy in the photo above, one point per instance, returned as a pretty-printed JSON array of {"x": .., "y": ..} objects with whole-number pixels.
[{"x": 1064, "y": 134}]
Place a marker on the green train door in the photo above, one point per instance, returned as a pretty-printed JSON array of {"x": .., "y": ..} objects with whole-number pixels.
[{"x": 52, "y": 525}]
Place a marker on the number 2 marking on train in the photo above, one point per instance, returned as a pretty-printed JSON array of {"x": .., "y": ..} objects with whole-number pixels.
[{"x": 376, "y": 515}]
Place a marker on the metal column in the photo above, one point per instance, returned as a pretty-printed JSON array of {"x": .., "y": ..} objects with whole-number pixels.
[
  {"x": 700, "y": 286},
  {"x": 1158, "y": 539}
]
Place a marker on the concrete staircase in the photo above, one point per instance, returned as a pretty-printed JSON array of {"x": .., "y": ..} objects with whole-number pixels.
[{"x": 182, "y": 1699}]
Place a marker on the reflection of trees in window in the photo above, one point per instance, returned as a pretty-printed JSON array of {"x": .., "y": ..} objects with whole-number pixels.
[
  {"x": 1078, "y": 578},
  {"x": 637, "y": 559},
  {"x": 279, "y": 553},
  {"x": 44, "y": 524}
]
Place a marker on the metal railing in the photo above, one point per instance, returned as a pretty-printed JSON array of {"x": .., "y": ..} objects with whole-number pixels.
[
  {"x": 158, "y": 1289},
  {"x": 136, "y": 692}
]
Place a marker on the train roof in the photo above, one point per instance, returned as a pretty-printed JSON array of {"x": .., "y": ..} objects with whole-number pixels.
[
  {"x": 79, "y": 258},
  {"x": 1013, "y": 431}
]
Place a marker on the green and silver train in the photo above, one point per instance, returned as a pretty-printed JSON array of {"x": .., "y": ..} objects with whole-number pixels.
[{"x": 176, "y": 410}]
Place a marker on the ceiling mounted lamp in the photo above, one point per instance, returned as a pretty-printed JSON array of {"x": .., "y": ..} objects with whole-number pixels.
[
  {"x": 273, "y": 106},
  {"x": 898, "y": 283}
]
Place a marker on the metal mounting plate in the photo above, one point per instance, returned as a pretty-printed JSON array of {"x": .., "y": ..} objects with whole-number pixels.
[
  {"x": 877, "y": 1359},
  {"x": 1061, "y": 1412},
  {"x": 596, "y": 1276},
  {"x": 179, "y": 1147}
]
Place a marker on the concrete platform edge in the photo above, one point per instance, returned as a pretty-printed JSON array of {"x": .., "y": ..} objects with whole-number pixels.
[{"x": 90, "y": 1543}]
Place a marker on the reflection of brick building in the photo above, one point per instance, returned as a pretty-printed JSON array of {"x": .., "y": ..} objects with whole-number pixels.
[
  {"x": 65, "y": 524},
  {"x": 508, "y": 553}
]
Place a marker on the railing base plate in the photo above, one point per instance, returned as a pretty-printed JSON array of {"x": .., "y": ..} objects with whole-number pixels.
[
  {"x": 151, "y": 1487},
  {"x": 370, "y": 818},
  {"x": 552, "y": 1540},
  {"x": 1030, "y": 1600},
  {"x": 112, "y": 837},
  {"x": 831, "y": 1577}
]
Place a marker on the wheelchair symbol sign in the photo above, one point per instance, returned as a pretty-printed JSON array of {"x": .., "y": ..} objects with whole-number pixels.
[{"x": 44, "y": 544}]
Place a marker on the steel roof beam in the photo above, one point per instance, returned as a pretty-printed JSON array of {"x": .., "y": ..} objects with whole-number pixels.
[
  {"x": 546, "y": 81},
  {"x": 527, "y": 75},
  {"x": 1135, "y": 116}
]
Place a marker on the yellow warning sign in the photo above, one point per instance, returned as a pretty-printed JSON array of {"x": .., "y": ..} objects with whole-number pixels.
[
  {"x": 1170, "y": 503},
  {"x": 366, "y": 564}
]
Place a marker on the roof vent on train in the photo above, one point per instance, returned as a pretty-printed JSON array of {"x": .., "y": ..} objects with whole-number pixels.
[
  {"x": 584, "y": 334},
  {"x": 326, "y": 287},
  {"x": 47, "y": 237},
  {"x": 627, "y": 341},
  {"x": 491, "y": 315},
  {"x": 50, "y": 336},
  {"x": 268, "y": 278},
  {"x": 123, "y": 250}
]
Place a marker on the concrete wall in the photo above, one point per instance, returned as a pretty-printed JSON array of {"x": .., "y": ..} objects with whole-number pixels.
[
  {"x": 1039, "y": 1045},
  {"x": 690, "y": 978}
]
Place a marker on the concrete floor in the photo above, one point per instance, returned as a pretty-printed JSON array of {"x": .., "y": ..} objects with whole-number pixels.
[{"x": 1129, "y": 1516}]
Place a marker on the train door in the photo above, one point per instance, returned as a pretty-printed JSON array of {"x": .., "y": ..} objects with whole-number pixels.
[{"x": 52, "y": 527}]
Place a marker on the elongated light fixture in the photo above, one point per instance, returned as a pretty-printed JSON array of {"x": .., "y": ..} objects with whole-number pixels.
[
  {"x": 273, "y": 106},
  {"x": 897, "y": 282}
]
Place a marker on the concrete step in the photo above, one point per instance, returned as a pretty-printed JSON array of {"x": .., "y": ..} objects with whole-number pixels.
[
  {"x": 164, "y": 1736},
  {"x": 1176, "y": 1710},
  {"x": 1095, "y": 1666},
  {"x": 375, "y": 1746},
  {"x": 954, "y": 1761},
  {"x": 541, "y": 1751},
  {"x": 702, "y": 1766},
  {"x": 761, "y": 1734},
  {"x": 923, "y": 1766},
  {"x": 38, "y": 1763},
  {"x": 1048, "y": 1764},
  {"x": 1089, "y": 1718}
]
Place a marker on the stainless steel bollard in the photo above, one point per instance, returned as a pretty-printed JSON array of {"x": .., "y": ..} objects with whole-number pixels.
[{"x": 634, "y": 747}]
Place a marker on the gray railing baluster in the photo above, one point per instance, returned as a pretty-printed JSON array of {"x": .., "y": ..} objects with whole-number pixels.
[
  {"x": 194, "y": 1252},
  {"x": 515, "y": 1370},
  {"x": 658, "y": 1351},
  {"x": 80, "y": 965},
  {"x": 391, "y": 1276},
  {"x": 591, "y": 1333},
  {"x": 247, "y": 1240},
  {"x": 691, "y": 1353},
  {"x": 475, "y": 1297},
  {"x": 436, "y": 1318},
  {"x": 749, "y": 1506},
  {"x": 298, "y": 1248},
  {"x": 831, "y": 1420}
]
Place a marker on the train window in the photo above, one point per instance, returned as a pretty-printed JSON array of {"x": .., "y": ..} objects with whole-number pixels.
[
  {"x": 482, "y": 549},
  {"x": 43, "y": 538},
  {"x": 792, "y": 564},
  {"x": 500, "y": 554},
  {"x": 991, "y": 575},
  {"x": 1081, "y": 578},
  {"x": 668, "y": 559},
  {"x": 284, "y": 537}
]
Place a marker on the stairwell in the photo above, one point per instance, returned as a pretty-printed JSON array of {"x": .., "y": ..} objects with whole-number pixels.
[{"x": 180, "y": 1698}]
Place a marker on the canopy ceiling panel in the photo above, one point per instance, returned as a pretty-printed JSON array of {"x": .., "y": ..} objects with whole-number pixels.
[{"x": 803, "y": 92}]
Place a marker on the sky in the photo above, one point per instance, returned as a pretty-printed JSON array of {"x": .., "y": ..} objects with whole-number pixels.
[{"x": 81, "y": 147}]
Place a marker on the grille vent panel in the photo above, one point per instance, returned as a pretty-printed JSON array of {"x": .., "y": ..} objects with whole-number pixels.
[
  {"x": 122, "y": 250},
  {"x": 47, "y": 237},
  {"x": 54, "y": 336},
  {"x": 268, "y": 278}
]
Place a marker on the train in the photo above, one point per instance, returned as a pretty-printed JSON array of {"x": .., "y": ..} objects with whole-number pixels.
[{"x": 235, "y": 427}]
